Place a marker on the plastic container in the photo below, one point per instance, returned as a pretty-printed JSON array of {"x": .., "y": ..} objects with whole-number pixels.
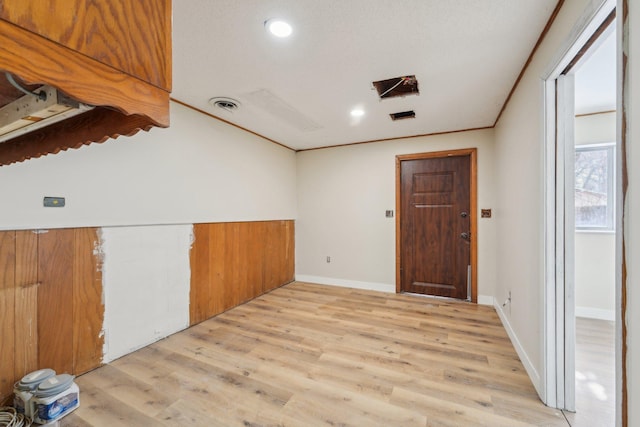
[
  {"x": 23, "y": 390},
  {"x": 54, "y": 398}
]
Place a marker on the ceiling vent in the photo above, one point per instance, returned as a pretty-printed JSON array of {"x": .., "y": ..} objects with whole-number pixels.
[
  {"x": 403, "y": 115},
  {"x": 397, "y": 86},
  {"x": 227, "y": 104}
]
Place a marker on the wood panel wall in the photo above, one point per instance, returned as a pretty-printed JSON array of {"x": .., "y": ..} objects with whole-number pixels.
[
  {"x": 232, "y": 263},
  {"x": 51, "y": 309}
]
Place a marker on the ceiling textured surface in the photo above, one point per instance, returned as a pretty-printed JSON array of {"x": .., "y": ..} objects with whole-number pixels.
[{"x": 298, "y": 91}]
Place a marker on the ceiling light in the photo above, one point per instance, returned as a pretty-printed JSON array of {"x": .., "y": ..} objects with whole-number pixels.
[
  {"x": 278, "y": 27},
  {"x": 357, "y": 112}
]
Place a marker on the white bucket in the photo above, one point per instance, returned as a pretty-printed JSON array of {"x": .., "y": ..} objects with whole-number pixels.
[
  {"x": 54, "y": 398},
  {"x": 23, "y": 390}
]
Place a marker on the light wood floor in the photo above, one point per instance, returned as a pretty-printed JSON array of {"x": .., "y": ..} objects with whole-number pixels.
[
  {"x": 595, "y": 374},
  {"x": 311, "y": 355}
]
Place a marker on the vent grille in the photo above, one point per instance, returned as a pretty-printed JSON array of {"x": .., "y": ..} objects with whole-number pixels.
[
  {"x": 403, "y": 115},
  {"x": 223, "y": 103}
]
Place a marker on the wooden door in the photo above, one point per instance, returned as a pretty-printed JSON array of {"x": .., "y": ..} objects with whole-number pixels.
[{"x": 436, "y": 225}]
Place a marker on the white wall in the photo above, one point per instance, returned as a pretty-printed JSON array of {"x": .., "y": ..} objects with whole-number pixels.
[
  {"x": 198, "y": 170},
  {"x": 595, "y": 128},
  {"x": 343, "y": 193},
  {"x": 520, "y": 207},
  {"x": 146, "y": 281},
  {"x": 595, "y": 275},
  {"x": 595, "y": 251},
  {"x": 632, "y": 210}
]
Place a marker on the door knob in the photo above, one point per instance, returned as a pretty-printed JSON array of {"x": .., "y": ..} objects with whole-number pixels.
[
  {"x": 463, "y": 214},
  {"x": 465, "y": 235}
]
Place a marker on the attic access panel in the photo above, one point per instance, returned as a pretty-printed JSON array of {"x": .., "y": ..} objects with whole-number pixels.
[{"x": 397, "y": 86}]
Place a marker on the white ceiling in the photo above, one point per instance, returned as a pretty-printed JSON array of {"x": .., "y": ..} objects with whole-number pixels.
[{"x": 299, "y": 91}]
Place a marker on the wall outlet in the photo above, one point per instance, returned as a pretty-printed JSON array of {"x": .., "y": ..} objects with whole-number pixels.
[
  {"x": 328, "y": 259},
  {"x": 508, "y": 300}
]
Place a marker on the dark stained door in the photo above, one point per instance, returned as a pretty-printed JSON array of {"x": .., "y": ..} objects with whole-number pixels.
[{"x": 435, "y": 226}]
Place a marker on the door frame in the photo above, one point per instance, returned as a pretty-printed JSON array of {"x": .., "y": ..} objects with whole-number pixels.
[
  {"x": 473, "y": 203},
  {"x": 559, "y": 254}
]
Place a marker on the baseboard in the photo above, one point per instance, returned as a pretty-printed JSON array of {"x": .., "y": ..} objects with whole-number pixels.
[
  {"x": 370, "y": 286},
  {"x": 596, "y": 313},
  {"x": 524, "y": 358}
]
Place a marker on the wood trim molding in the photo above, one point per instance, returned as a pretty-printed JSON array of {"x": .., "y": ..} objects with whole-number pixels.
[
  {"x": 472, "y": 152},
  {"x": 597, "y": 113},
  {"x": 396, "y": 138},
  {"x": 594, "y": 37},
  {"x": 213, "y": 116},
  {"x": 624, "y": 405},
  {"x": 543, "y": 35},
  {"x": 94, "y": 126}
]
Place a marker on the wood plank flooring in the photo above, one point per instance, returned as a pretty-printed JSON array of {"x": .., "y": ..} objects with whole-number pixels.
[
  {"x": 595, "y": 374},
  {"x": 312, "y": 355}
]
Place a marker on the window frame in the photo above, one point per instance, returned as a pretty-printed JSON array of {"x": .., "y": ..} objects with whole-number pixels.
[{"x": 610, "y": 147}]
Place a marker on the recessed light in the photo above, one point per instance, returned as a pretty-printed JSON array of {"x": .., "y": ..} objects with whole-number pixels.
[
  {"x": 357, "y": 112},
  {"x": 278, "y": 27}
]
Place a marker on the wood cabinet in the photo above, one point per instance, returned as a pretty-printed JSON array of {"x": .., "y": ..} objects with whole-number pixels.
[{"x": 113, "y": 54}]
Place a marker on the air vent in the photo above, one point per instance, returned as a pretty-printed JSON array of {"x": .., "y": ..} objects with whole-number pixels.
[
  {"x": 228, "y": 104},
  {"x": 398, "y": 86},
  {"x": 403, "y": 115}
]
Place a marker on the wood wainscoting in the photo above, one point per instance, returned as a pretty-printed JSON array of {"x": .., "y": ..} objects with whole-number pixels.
[
  {"x": 51, "y": 309},
  {"x": 51, "y": 290},
  {"x": 232, "y": 263}
]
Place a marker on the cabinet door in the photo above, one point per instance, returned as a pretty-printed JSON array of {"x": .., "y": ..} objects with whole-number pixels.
[{"x": 131, "y": 36}]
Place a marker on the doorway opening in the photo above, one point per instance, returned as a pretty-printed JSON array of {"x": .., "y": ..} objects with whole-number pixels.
[
  {"x": 436, "y": 224},
  {"x": 582, "y": 291}
]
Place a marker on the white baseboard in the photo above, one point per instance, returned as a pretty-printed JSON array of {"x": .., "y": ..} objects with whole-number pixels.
[
  {"x": 524, "y": 358},
  {"x": 596, "y": 313},
  {"x": 370, "y": 286}
]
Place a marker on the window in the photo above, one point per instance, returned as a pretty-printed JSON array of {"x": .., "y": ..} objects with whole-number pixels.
[{"x": 594, "y": 196}]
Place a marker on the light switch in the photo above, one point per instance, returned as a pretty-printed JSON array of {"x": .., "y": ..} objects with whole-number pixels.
[{"x": 388, "y": 214}]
